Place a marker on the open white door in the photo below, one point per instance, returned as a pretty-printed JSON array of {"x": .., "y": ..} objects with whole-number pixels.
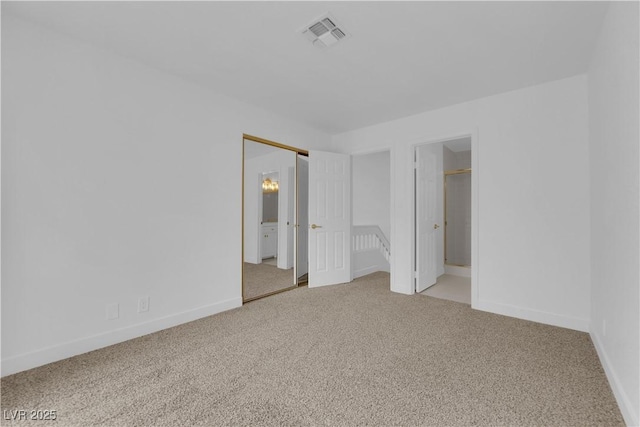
[
  {"x": 329, "y": 218},
  {"x": 427, "y": 176}
]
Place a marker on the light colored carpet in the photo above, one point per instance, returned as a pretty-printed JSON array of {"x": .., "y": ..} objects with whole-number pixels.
[
  {"x": 343, "y": 355},
  {"x": 262, "y": 279},
  {"x": 452, "y": 288}
]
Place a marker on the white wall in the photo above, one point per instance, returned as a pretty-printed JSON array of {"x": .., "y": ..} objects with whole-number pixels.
[
  {"x": 456, "y": 159},
  {"x": 458, "y": 220},
  {"x": 371, "y": 190},
  {"x": 458, "y": 199},
  {"x": 112, "y": 176},
  {"x": 615, "y": 185},
  {"x": 533, "y": 215},
  {"x": 463, "y": 159},
  {"x": 449, "y": 160}
]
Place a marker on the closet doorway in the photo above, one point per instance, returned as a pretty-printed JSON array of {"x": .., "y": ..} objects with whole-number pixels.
[
  {"x": 274, "y": 209},
  {"x": 443, "y": 192}
]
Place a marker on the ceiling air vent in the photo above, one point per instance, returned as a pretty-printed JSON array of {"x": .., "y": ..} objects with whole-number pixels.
[{"x": 324, "y": 32}]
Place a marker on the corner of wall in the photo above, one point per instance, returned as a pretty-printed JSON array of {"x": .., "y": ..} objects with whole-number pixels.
[
  {"x": 613, "y": 106},
  {"x": 625, "y": 404}
]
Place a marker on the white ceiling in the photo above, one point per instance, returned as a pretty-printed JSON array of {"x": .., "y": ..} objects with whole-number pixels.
[{"x": 402, "y": 57}]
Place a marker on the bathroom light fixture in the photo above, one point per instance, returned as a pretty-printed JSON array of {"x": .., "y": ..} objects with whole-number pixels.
[{"x": 269, "y": 186}]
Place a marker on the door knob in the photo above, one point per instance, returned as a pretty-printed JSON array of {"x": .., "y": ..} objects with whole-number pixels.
[
  {"x": 313, "y": 226},
  {"x": 436, "y": 226}
]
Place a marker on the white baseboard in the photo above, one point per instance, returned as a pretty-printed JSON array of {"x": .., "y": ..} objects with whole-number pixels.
[
  {"x": 547, "y": 318},
  {"x": 22, "y": 362},
  {"x": 631, "y": 417}
]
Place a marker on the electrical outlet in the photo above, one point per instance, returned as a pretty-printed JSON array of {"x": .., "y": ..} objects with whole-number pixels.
[
  {"x": 143, "y": 304},
  {"x": 113, "y": 311}
]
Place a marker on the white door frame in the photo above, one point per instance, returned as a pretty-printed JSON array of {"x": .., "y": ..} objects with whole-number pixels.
[{"x": 474, "y": 206}]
